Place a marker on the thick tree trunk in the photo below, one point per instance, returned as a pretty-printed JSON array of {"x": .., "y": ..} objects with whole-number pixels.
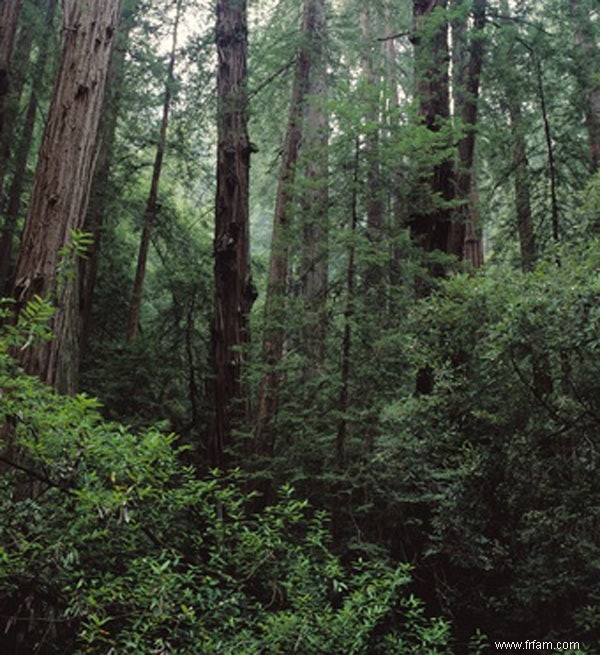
[
  {"x": 10, "y": 10},
  {"x": 467, "y": 62},
  {"x": 152, "y": 202},
  {"x": 274, "y": 331},
  {"x": 431, "y": 228},
  {"x": 20, "y": 165},
  {"x": 61, "y": 187},
  {"x": 234, "y": 292},
  {"x": 316, "y": 198}
]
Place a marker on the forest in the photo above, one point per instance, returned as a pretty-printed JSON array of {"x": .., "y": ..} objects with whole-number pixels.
[{"x": 299, "y": 327}]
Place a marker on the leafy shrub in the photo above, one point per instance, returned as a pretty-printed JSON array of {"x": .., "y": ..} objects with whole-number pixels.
[
  {"x": 109, "y": 544},
  {"x": 495, "y": 469}
]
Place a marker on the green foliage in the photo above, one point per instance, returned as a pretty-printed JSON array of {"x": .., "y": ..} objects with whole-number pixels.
[
  {"x": 495, "y": 470},
  {"x": 121, "y": 548}
]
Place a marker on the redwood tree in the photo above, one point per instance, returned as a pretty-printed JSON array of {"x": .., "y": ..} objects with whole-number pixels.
[
  {"x": 61, "y": 186},
  {"x": 13, "y": 205},
  {"x": 431, "y": 225},
  {"x": 274, "y": 332},
  {"x": 152, "y": 202},
  {"x": 467, "y": 50},
  {"x": 10, "y": 11},
  {"x": 234, "y": 292},
  {"x": 315, "y": 202}
]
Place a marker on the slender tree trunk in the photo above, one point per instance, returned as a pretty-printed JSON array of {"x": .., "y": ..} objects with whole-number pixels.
[
  {"x": 371, "y": 84},
  {"x": 152, "y": 202},
  {"x": 20, "y": 165},
  {"x": 100, "y": 185},
  {"x": 587, "y": 61},
  {"x": 274, "y": 331},
  {"x": 431, "y": 228},
  {"x": 467, "y": 64},
  {"x": 18, "y": 75},
  {"x": 522, "y": 187},
  {"x": 399, "y": 218},
  {"x": 549, "y": 149},
  {"x": 234, "y": 292},
  {"x": 344, "y": 398},
  {"x": 61, "y": 187},
  {"x": 316, "y": 198},
  {"x": 10, "y": 10}
]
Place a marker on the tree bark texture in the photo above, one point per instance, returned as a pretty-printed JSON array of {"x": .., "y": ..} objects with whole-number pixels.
[
  {"x": 315, "y": 203},
  {"x": 152, "y": 203},
  {"x": 431, "y": 228},
  {"x": 274, "y": 330},
  {"x": 61, "y": 186},
  {"x": 468, "y": 50},
  {"x": 13, "y": 206},
  {"x": 234, "y": 292},
  {"x": 10, "y": 11}
]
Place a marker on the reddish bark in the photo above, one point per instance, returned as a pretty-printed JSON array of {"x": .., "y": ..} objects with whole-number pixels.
[
  {"x": 234, "y": 292},
  {"x": 431, "y": 227},
  {"x": 61, "y": 187},
  {"x": 20, "y": 164},
  {"x": 468, "y": 61}
]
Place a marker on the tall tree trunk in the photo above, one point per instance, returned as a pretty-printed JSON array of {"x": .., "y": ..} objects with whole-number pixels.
[
  {"x": 152, "y": 202},
  {"x": 100, "y": 185},
  {"x": 399, "y": 218},
  {"x": 18, "y": 75},
  {"x": 552, "y": 173},
  {"x": 522, "y": 187},
  {"x": 431, "y": 228},
  {"x": 344, "y": 397},
  {"x": 20, "y": 165},
  {"x": 61, "y": 187},
  {"x": 467, "y": 56},
  {"x": 371, "y": 84},
  {"x": 234, "y": 292},
  {"x": 316, "y": 198},
  {"x": 587, "y": 61},
  {"x": 274, "y": 316},
  {"x": 10, "y": 10}
]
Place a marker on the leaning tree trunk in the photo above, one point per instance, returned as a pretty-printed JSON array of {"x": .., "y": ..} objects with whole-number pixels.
[
  {"x": 152, "y": 202},
  {"x": 234, "y": 292},
  {"x": 465, "y": 233},
  {"x": 61, "y": 187},
  {"x": 316, "y": 198},
  {"x": 431, "y": 227},
  {"x": 13, "y": 206},
  {"x": 274, "y": 331}
]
